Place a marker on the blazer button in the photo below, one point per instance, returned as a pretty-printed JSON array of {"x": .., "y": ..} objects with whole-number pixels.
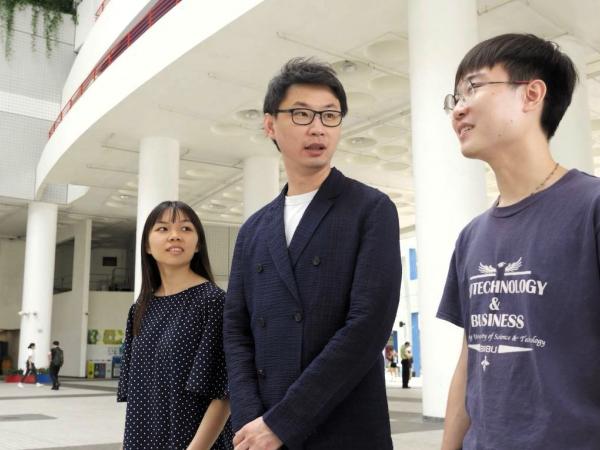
[
  {"x": 298, "y": 316},
  {"x": 316, "y": 261},
  {"x": 260, "y": 373},
  {"x": 259, "y": 268},
  {"x": 261, "y": 322}
]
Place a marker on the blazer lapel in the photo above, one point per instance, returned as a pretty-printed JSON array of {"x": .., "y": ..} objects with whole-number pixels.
[
  {"x": 315, "y": 212},
  {"x": 278, "y": 246}
]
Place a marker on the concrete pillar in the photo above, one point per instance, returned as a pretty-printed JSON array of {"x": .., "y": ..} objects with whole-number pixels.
[
  {"x": 261, "y": 182},
  {"x": 38, "y": 282},
  {"x": 70, "y": 309},
  {"x": 450, "y": 190},
  {"x": 158, "y": 181},
  {"x": 572, "y": 144}
]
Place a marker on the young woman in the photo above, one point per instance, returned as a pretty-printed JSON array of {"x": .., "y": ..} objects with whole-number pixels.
[
  {"x": 30, "y": 366},
  {"x": 173, "y": 376}
]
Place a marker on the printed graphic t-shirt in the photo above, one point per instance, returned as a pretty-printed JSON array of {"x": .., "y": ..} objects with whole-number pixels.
[{"x": 524, "y": 283}]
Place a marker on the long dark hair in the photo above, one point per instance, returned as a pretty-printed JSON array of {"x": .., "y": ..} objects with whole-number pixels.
[{"x": 150, "y": 273}]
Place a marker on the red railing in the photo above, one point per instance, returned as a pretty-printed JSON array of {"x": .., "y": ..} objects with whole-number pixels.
[
  {"x": 100, "y": 9},
  {"x": 153, "y": 16}
]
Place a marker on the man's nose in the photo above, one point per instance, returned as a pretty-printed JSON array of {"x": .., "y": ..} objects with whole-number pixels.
[{"x": 316, "y": 126}]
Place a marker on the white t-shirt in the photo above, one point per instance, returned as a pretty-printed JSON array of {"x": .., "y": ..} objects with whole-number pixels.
[{"x": 295, "y": 205}]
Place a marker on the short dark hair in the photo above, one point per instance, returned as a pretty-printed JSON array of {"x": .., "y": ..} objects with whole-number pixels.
[
  {"x": 151, "y": 280},
  {"x": 303, "y": 71},
  {"x": 55, "y": 343},
  {"x": 528, "y": 57}
]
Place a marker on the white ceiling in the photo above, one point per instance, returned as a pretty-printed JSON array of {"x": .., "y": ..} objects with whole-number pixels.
[{"x": 211, "y": 101}]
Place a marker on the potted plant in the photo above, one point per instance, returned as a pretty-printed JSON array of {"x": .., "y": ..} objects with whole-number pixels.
[
  {"x": 51, "y": 12},
  {"x": 43, "y": 376},
  {"x": 13, "y": 376}
]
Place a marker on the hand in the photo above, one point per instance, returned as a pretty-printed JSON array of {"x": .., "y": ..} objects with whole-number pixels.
[{"x": 256, "y": 435}]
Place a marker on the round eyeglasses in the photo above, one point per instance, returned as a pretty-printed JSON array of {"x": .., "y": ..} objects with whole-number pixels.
[
  {"x": 451, "y": 100},
  {"x": 305, "y": 116}
]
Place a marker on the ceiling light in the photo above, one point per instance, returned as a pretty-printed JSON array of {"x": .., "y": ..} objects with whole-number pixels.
[
  {"x": 351, "y": 69},
  {"x": 348, "y": 66},
  {"x": 387, "y": 132},
  {"x": 115, "y": 204},
  {"x": 128, "y": 192},
  {"x": 390, "y": 85},
  {"x": 360, "y": 100},
  {"x": 359, "y": 142},
  {"x": 213, "y": 207},
  {"x": 389, "y": 51},
  {"x": 248, "y": 115},
  {"x": 363, "y": 160},
  {"x": 228, "y": 129},
  {"x": 394, "y": 166},
  {"x": 390, "y": 151},
  {"x": 200, "y": 173},
  {"x": 232, "y": 195}
]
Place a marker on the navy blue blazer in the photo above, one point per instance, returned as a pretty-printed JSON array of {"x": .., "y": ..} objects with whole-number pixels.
[{"x": 304, "y": 326}]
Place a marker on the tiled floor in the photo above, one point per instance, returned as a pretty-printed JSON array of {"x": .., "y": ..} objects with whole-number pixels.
[{"x": 83, "y": 415}]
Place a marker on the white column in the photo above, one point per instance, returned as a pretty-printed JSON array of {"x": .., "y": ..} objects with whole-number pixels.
[
  {"x": 38, "y": 282},
  {"x": 158, "y": 181},
  {"x": 70, "y": 309},
  {"x": 450, "y": 190},
  {"x": 82, "y": 257},
  {"x": 572, "y": 144},
  {"x": 261, "y": 182}
]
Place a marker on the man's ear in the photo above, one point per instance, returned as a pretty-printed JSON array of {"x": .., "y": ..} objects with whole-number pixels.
[
  {"x": 535, "y": 93},
  {"x": 268, "y": 126}
]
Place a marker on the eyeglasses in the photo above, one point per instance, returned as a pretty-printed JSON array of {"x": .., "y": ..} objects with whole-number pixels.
[
  {"x": 451, "y": 100},
  {"x": 305, "y": 116}
]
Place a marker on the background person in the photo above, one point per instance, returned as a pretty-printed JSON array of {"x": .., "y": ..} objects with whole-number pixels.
[
  {"x": 406, "y": 360},
  {"x": 56, "y": 358},
  {"x": 30, "y": 368}
]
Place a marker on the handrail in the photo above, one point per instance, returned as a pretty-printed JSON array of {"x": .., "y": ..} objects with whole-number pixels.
[
  {"x": 100, "y": 9},
  {"x": 153, "y": 16}
]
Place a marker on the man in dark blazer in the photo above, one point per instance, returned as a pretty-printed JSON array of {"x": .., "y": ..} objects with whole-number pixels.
[{"x": 314, "y": 287}]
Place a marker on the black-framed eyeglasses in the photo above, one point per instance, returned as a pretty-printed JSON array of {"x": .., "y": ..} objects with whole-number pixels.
[
  {"x": 305, "y": 116},
  {"x": 451, "y": 100}
]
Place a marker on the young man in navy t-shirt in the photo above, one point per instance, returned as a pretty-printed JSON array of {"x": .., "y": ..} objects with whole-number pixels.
[{"x": 524, "y": 279}]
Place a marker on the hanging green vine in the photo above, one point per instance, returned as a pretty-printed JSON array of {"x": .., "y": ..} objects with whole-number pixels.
[{"x": 51, "y": 10}]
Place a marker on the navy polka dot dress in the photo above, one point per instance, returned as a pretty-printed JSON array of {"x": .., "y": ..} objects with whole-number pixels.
[{"x": 173, "y": 370}]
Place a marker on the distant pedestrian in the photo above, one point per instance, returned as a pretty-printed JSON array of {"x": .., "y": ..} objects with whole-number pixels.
[
  {"x": 30, "y": 366},
  {"x": 56, "y": 358},
  {"x": 406, "y": 360}
]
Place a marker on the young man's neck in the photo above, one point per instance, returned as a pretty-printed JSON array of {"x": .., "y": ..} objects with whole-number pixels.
[
  {"x": 301, "y": 182},
  {"x": 524, "y": 170},
  {"x": 177, "y": 279}
]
